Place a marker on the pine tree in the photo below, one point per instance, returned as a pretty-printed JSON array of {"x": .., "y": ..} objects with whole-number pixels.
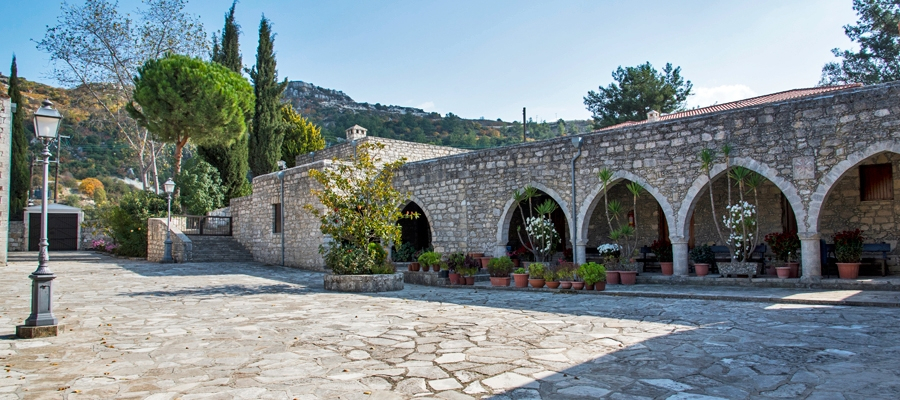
[
  {"x": 267, "y": 133},
  {"x": 230, "y": 161},
  {"x": 19, "y": 171}
]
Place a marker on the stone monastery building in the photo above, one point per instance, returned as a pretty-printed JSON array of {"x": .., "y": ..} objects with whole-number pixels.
[{"x": 830, "y": 157}]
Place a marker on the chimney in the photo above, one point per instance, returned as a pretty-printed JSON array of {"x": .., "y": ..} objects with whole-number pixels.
[
  {"x": 653, "y": 116},
  {"x": 355, "y": 132}
]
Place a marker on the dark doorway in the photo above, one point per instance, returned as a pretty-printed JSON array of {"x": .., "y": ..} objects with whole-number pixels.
[
  {"x": 62, "y": 231},
  {"x": 558, "y": 217},
  {"x": 416, "y": 231}
]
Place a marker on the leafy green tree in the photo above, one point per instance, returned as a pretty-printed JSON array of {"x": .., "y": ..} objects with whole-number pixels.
[
  {"x": 19, "y": 170},
  {"x": 636, "y": 91},
  {"x": 229, "y": 160},
  {"x": 878, "y": 58},
  {"x": 179, "y": 98},
  {"x": 127, "y": 222},
  {"x": 300, "y": 136},
  {"x": 266, "y": 134},
  {"x": 201, "y": 187},
  {"x": 359, "y": 210}
]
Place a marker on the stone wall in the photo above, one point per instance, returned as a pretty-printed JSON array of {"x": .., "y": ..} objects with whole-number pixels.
[
  {"x": 156, "y": 237},
  {"x": 17, "y": 239},
  {"x": 90, "y": 234},
  {"x": 5, "y": 159},
  {"x": 803, "y": 147},
  {"x": 393, "y": 150}
]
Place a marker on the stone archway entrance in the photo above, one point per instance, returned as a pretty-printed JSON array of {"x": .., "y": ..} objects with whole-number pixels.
[
  {"x": 517, "y": 239},
  {"x": 416, "y": 232}
]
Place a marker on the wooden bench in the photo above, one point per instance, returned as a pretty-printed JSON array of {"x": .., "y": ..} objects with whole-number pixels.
[{"x": 883, "y": 248}]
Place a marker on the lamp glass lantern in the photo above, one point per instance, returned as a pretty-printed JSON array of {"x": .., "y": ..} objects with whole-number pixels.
[
  {"x": 169, "y": 186},
  {"x": 46, "y": 121}
]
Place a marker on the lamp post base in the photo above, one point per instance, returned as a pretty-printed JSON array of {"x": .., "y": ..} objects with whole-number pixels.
[{"x": 33, "y": 332}]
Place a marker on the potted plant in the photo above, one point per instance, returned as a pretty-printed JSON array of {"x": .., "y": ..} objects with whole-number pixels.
[
  {"x": 520, "y": 277},
  {"x": 429, "y": 259},
  {"x": 565, "y": 276},
  {"x": 593, "y": 274},
  {"x": 470, "y": 264},
  {"x": 663, "y": 251},
  {"x": 444, "y": 270},
  {"x": 703, "y": 258},
  {"x": 469, "y": 275},
  {"x": 536, "y": 275},
  {"x": 551, "y": 278},
  {"x": 499, "y": 268},
  {"x": 577, "y": 282},
  {"x": 455, "y": 261},
  {"x": 848, "y": 246},
  {"x": 610, "y": 253},
  {"x": 785, "y": 246}
]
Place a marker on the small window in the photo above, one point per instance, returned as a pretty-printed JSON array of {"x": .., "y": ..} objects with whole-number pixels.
[
  {"x": 276, "y": 218},
  {"x": 876, "y": 182}
]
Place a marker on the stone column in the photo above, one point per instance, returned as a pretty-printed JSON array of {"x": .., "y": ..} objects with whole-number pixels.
[
  {"x": 679, "y": 255},
  {"x": 579, "y": 256},
  {"x": 810, "y": 256},
  {"x": 499, "y": 250}
]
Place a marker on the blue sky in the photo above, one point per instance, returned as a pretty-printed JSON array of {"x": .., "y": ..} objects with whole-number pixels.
[{"x": 491, "y": 58}]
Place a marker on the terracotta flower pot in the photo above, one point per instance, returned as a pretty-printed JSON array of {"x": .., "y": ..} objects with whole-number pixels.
[
  {"x": 770, "y": 270},
  {"x": 485, "y": 261},
  {"x": 667, "y": 268},
  {"x": 454, "y": 278},
  {"x": 565, "y": 284},
  {"x": 588, "y": 287},
  {"x": 783, "y": 272},
  {"x": 577, "y": 285},
  {"x": 600, "y": 286},
  {"x": 470, "y": 280},
  {"x": 413, "y": 266},
  {"x": 536, "y": 283},
  {"x": 848, "y": 270},
  {"x": 499, "y": 281},
  {"x": 700, "y": 269},
  {"x": 795, "y": 269},
  {"x": 612, "y": 277},
  {"x": 553, "y": 285},
  {"x": 521, "y": 280},
  {"x": 436, "y": 268},
  {"x": 627, "y": 277},
  {"x": 516, "y": 262}
]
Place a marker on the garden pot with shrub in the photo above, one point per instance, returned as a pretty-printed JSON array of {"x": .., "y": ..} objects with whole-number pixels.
[
  {"x": 565, "y": 284},
  {"x": 499, "y": 268},
  {"x": 454, "y": 278},
  {"x": 577, "y": 285},
  {"x": 612, "y": 277},
  {"x": 627, "y": 277},
  {"x": 848, "y": 270},
  {"x": 783, "y": 272},
  {"x": 701, "y": 269}
]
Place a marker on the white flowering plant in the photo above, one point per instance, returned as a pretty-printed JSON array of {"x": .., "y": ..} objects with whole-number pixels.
[
  {"x": 543, "y": 235},
  {"x": 740, "y": 219},
  {"x": 540, "y": 237}
]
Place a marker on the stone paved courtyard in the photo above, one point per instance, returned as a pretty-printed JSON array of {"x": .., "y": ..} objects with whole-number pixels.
[{"x": 190, "y": 331}]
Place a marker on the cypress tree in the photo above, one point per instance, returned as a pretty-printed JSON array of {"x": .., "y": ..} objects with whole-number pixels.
[
  {"x": 231, "y": 160},
  {"x": 19, "y": 170},
  {"x": 266, "y": 134}
]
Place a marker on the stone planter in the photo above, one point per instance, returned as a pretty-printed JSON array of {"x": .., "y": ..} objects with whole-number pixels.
[
  {"x": 627, "y": 277},
  {"x": 700, "y": 269},
  {"x": 848, "y": 270},
  {"x": 668, "y": 268},
  {"x": 521, "y": 280},
  {"x": 738, "y": 268},
  {"x": 499, "y": 281},
  {"x": 612, "y": 277},
  {"x": 364, "y": 283}
]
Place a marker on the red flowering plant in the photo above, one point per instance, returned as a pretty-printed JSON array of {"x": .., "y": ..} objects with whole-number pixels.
[
  {"x": 848, "y": 246},
  {"x": 784, "y": 245},
  {"x": 662, "y": 249}
]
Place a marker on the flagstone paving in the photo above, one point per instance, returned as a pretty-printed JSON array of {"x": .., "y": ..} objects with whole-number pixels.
[{"x": 247, "y": 331}]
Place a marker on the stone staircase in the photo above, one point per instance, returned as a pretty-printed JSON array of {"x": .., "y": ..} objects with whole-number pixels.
[{"x": 218, "y": 249}]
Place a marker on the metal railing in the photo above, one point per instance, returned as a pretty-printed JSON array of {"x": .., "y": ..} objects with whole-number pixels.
[{"x": 202, "y": 225}]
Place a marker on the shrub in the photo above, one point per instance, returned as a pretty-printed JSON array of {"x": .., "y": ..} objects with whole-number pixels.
[
  {"x": 536, "y": 271},
  {"x": 471, "y": 262},
  {"x": 500, "y": 267},
  {"x": 346, "y": 259},
  {"x": 88, "y": 185},
  {"x": 784, "y": 245},
  {"x": 848, "y": 246},
  {"x": 99, "y": 195},
  {"x": 662, "y": 249},
  {"x": 405, "y": 253},
  {"x": 592, "y": 273},
  {"x": 429, "y": 258},
  {"x": 703, "y": 254},
  {"x": 127, "y": 221},
  {"x": 455, "y": 261},
  {"x": 200, "y": 187}
]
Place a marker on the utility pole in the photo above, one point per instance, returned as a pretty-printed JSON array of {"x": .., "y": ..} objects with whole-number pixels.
[
  {"x": 58, "y": 159},
  {"x": 30, "y": 176},
  {"x": 524, "y": 124}
]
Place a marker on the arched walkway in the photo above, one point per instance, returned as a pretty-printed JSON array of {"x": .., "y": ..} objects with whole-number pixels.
[
  {"x": 510, "y": 210},
  {"x": 596, "y": 195}
]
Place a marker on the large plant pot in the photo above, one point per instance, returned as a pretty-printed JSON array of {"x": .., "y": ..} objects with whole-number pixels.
[
  {"x": 795, "y": 269},
  {"x": 627, "y": 277},
  {"x": 485, "y": 261},
  {"x": 588, "y": 287},
  {"x": 413, "y": 266},
  {"x": 668, "y": 268},
  {"x": 600, "y": 286},
  {"x": 700, "y": 269},
  {"x": 565, "y": 284},
  {"x": 536, "y": 283},
  {"x": 783, "y": 272},
  {"x": 848, "y": 270},
  {"x": 738, "y": 268},
  {"x": 553, "y": 285},
  {"x": 612, "y": 277},
  {"x": 454, "y": 278},
  {"x": 470, "y": 280},
  {"x": 577, "y": 285},
  {"x": 521, "y": 280},
  {"x": 499, "y": 281}
]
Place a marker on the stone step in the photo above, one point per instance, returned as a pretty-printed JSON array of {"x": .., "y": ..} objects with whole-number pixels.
[{"x": 218, "y": 249}]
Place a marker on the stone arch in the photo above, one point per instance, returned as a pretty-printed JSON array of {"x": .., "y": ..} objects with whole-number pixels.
[
  {"x": 697, "y": 189},
  {"x": 426, "y": 214},
  {"x": 510, "y": 208},
  {"x": 834, "y": 175},
  {"x": 593, "y": 199}
]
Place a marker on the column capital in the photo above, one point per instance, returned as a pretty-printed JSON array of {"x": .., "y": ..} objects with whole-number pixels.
[
  {"x": 678, "y": 240},
  {"x": 582, "y": 242},
  {"x": 809, "y": 235}
]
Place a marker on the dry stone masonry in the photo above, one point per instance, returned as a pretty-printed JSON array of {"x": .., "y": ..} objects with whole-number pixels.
[{"x": 809, "y": 149}]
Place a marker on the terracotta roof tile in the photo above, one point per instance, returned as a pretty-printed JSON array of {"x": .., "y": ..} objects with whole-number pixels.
[{"x": 753, "y": 101}]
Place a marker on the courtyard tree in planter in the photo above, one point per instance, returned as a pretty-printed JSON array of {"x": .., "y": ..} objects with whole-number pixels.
[
  {"x": 740, "y": 219},
  {"x": 540, "y": 234},
  {"x": 622, "y": 233},
  {"x": 360, "y": 210}
]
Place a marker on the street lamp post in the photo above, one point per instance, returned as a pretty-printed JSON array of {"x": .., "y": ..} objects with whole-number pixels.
[
  {"x": 167, "y": 250},
  {"x": 41, "y": 322}
]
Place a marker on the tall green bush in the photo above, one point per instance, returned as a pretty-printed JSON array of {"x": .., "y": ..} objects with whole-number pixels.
[{"x": 127, "y": 222}]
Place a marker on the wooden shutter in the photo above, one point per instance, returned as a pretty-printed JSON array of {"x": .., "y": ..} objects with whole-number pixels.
[{"x": 876, "y": 182}]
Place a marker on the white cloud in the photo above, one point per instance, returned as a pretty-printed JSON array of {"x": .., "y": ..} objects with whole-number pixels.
[
  {"x": 707, "y": 96},
  {"x": 427, "y": 106}
]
